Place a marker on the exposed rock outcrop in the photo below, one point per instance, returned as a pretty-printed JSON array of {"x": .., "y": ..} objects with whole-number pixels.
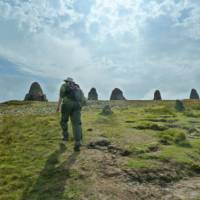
[
  {"x": 107, "y": 110},
  {"x": 194, "y": 94},
  {"x": 35, "y": 93},
  {"x": 92, "y": 95},
  {"x": 117, "y": 94},
  {"x": 157, "y": 95}
]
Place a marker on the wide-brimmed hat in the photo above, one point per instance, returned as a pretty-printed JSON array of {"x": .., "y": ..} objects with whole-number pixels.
[{"x": 69, "y": 80}]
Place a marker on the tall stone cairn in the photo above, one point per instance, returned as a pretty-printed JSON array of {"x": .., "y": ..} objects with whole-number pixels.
[
  {"x": 35, "y": 93},
  {"x": 157, "y": 96},
  {"x": 194, "y": 94},
  {"x": 117, "y": 94},
  {"x": 92, "y": 95}
]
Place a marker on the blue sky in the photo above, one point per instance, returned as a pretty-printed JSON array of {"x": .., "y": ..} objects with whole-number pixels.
[{"x": 136, "y": 45}]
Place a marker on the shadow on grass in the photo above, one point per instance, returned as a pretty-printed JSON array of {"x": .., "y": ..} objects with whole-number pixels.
[{"x": 50, "y": 184}]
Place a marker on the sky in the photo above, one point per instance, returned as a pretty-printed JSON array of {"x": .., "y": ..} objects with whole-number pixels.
[{"x": 135, "y": 45}]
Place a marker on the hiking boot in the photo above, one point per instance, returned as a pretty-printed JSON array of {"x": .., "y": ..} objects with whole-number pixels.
[
  {"x": 65, "y": 136},
  {"x": 77, "y": 148},
  {"x": 65, "y": 139}
]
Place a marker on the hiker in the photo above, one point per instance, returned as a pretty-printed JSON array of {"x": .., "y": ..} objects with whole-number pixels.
[{"x": 71, "y": 99}]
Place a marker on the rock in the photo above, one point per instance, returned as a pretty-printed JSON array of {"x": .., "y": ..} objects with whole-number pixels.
[
  {"x": 194, "y": 94},
  {"x": 179, "y": 106},
  {"x": 117, "y": 94},
  {"x": 92, "y": 95},
  {"x": 157, "y": 95},
  {"x": 104, "y": 144},
  {"x": 35, "y": 93},
  {"x": 101, "y": 142},
  {"x": 107, "y": 110}
]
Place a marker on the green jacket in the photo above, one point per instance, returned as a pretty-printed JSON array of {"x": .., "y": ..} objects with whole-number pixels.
[
  {"x": 66, "y": 95},
  {"x": 65, "y": 92}
]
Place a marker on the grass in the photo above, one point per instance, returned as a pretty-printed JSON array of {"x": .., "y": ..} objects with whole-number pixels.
[
  {"x": 35, "y": 164},
  {"x": 151, "y": 126},
  {"x": 173, "y": 136},
  {"x": 30, "y": 152},
  {"x": 140, "y": 163},
  {"x": 192, "y": 113}
]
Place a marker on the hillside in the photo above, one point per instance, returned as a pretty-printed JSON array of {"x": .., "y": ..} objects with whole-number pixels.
[{"x": 145, "y": 150}]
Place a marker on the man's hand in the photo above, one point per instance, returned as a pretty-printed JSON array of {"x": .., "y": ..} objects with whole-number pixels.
[
  {"x": 58, "y": 109},
  {"x": 58, "y": 106}
]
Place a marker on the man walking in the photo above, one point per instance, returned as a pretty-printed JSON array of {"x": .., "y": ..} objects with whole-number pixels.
[{"x": 70, "y": 103}]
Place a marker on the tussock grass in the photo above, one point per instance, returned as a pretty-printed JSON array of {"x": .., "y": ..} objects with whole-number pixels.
[
  {"x": 192, "y": 113},
  {"x": 151, "y": 126},
  {"x": 174, "y": 136}
]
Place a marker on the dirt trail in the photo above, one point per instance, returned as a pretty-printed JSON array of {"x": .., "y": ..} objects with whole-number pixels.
[
  {"x": 188, "y": 189},
  {"x": 109, "y": 181}
]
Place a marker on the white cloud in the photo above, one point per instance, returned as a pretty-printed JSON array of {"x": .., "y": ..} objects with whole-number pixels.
[
  {"x": 37, "y": 14},
  {"x": 191, "y": 24},
  {"x": 116, "y": 17},
  {"x": 45, "y": 46},
  {"x": 47, "y": 55},
  {"x": 111, "y": 18}
]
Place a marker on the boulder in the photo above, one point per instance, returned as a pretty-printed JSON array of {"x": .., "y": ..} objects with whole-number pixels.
[
  {"x": 107, "y": 110},
  {"x": 157, "y": 96},
  {"x": 35, "y": 93},
  {"x": 179, "y": 105},
  {"x": 92, "y": 95},
  {"x": 194, "y": 94},
  {"x": 117, "y": 94}
]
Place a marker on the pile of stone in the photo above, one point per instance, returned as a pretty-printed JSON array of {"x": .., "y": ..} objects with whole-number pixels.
[
  {"x": 179, "y": 106},
  {"x": 157, "y": 96},
  {"x": 35, "y": 93},
  {"x": 117, "y": 94},
  {"x": 194, "y": 94},
  {"x": 92, "y": 95},
  {"x": 107, "y": 110}
]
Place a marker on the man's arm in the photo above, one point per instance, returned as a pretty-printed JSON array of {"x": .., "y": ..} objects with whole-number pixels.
[
  {"x": 62, "y": 89},
  {"x": 59, "y": 103}
]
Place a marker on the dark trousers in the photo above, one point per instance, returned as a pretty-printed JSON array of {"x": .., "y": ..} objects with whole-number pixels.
[{"x": 71, "y": 110}]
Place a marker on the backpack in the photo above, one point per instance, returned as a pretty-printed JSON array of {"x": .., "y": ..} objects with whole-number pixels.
[
  {"x": 79, "y": 97},
  {"x": 76, "y": 94}
]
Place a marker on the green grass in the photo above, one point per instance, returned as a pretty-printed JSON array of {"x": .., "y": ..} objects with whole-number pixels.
[
  {"x": 140, "y": 163},
  {"x": 30, "y": 157},
  {"x": 173, "y": 136},
  {"x": 35, "y": 164}
]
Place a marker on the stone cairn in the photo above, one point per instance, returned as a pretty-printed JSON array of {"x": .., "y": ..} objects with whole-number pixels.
[
  {"x": 107, "y": 110},
  {"x": 35, "y": 93},
  {"x": 92, "y": 95},
  {"x": 179, "y": 106},
  {"x": 117, "y": 94},
  {"x": 194, "y": 94},
  {"x": 157, "y": 96}
]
